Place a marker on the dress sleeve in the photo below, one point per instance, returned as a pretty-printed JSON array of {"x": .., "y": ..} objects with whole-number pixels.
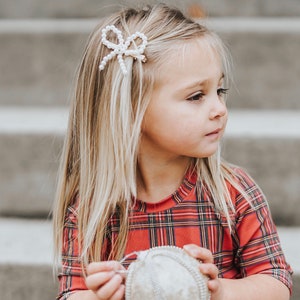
[
  {"x": 71, "y": 277},
  {"x": 259, "y": 249}
]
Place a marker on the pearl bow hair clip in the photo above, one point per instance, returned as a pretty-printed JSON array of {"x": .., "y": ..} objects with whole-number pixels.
[{"x": 121, "y": 48}]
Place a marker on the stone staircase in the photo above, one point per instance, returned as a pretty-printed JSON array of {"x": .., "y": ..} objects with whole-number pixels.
[{"x": 40, "y": 47}]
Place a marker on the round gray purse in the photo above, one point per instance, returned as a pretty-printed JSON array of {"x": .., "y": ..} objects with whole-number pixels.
[{"x": 165, "y": 273}]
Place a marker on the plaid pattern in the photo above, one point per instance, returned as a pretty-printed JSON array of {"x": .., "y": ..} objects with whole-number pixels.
[{"x": 251, "y": 247}]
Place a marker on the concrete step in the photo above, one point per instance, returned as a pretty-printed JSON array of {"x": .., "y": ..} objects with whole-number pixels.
[
  {"x": 26, "y": 259},
  {"x": 266, "y": 143},
  {"x": 95, "y": 8},
  {"x": 31, "y": 140},
  {"x": 40, "y": 58}
]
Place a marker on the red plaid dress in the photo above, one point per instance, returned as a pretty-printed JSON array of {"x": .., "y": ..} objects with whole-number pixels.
[{"x": 252, "y": 247}]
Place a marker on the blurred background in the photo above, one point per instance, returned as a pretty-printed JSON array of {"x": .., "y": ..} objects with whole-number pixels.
[{"x": 41, "y": 43}]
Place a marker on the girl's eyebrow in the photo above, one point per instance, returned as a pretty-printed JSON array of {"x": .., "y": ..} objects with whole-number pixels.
[{"x": 203, "y": 82}]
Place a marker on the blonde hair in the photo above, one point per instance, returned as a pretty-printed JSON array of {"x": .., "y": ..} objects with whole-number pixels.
[{"x": 99, "y": 158}]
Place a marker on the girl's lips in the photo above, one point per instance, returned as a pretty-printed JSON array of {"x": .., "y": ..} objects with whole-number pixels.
[{"x": 217, "y": 131}]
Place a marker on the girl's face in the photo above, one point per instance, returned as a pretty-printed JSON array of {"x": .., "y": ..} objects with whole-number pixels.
[{"x": 187, "y": 114}]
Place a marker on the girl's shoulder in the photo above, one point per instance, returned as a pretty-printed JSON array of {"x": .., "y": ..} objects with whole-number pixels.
[
  {"x": 242, "y": 177},
  {"x": 244, "y": 190}
]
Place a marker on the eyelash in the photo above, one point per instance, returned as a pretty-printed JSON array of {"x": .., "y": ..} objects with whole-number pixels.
[
  {"x": 222, "y": 91},
  {"x": 200, "y": 95},
  {"x": 196, "y": 97}
]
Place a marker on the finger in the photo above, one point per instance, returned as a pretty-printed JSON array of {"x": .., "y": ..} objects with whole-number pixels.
[
  {"x": 209, "y": 270},
  {"x": 108, "y": 290},
  {"x": 200, "y": 253},
  {"x": 215, "y": 288},
  {"x": 213, "y": 285},
  {"x": 119, "y": 294},
  {"x": 104, "y": 266},
  {"x": 96, "y": 280}
]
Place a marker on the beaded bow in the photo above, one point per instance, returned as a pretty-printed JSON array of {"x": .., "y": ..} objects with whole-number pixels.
[{"x": 122, "y": 48}]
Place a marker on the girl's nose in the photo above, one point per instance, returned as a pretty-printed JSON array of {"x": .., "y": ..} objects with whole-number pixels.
[{"x": 218, "y": 108}]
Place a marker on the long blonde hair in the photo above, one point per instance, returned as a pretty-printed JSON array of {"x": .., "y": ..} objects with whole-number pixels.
[{"x": 99, "y": 158}]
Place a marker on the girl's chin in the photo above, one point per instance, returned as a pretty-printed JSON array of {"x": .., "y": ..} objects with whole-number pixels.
[{"x": 209, "y": 152}]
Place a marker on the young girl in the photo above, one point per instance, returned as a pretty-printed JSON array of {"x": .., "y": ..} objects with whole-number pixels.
[{"x": 141, "y": 165}]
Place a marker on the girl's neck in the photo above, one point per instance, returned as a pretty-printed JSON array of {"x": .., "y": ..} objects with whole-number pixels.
[{"x": 157, "y": 180}]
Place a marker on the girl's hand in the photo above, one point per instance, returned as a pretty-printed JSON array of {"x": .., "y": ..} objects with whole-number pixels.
[
  {"x": 207, "y": 268},
  {"x": 105, "y": 281}
]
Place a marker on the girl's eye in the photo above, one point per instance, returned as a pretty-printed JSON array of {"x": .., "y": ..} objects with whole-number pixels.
[
  {"x": 196, "y": 97},
  {"x": 222, "y": 91}
]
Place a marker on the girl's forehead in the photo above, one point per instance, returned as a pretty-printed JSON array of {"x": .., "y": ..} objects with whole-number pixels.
[
  {"x": 178, "y": 53},
  {"x": 189, "y": 56}
]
